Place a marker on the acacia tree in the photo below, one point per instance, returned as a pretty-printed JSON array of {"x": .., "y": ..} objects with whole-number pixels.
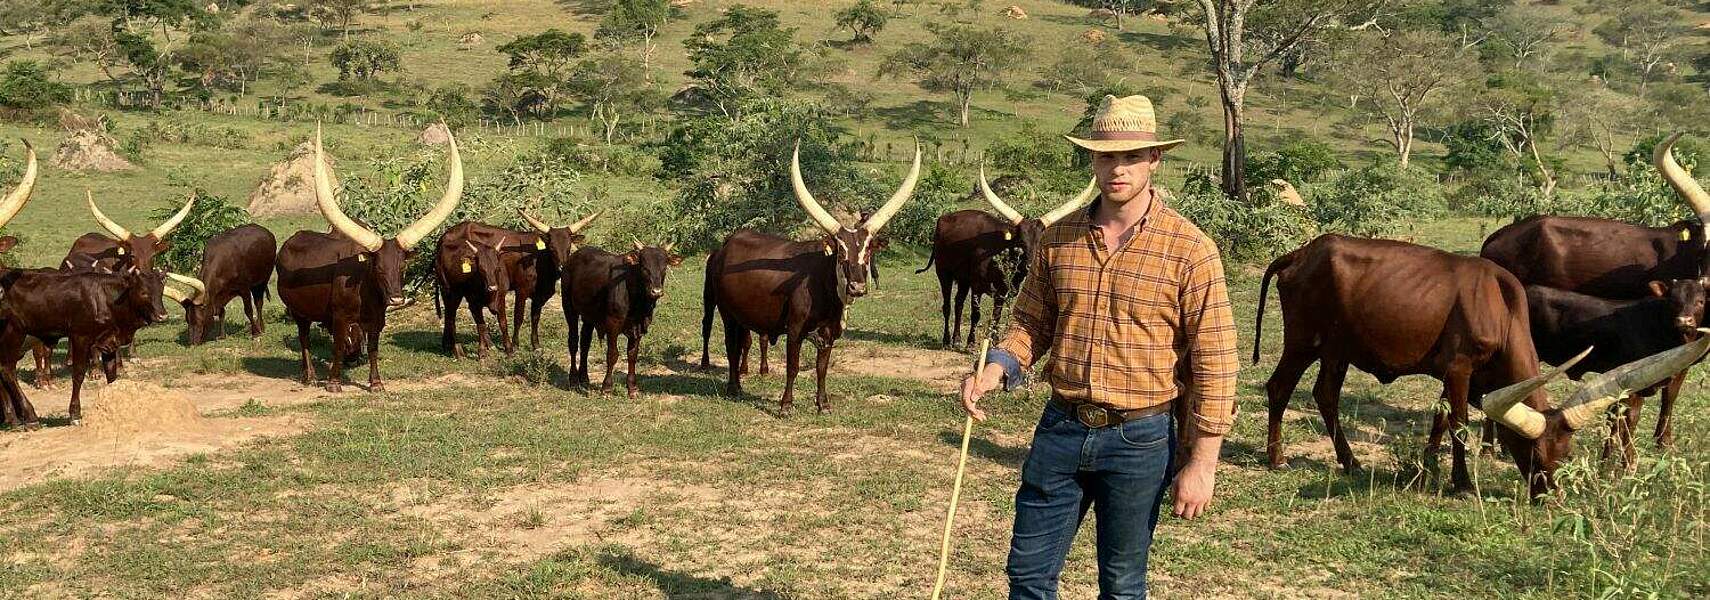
[
  {"x": 89, "y": 40},
  {"x": 1401, "y": 73},
  {"x": 863, "y": 19},
  {"x": 1525, "y": 32},
  {"x": 743, "y": 54},
  {"x": 1647, "y": 34},
  {"x": 635, "y": 20},
  {"x": 1236, "y": 57},
  {"x": 961, "y": 61},
  {"x": 613, "y": 85},
  {"x": 338, "y": 12},
  {"x": 549, "y": 57},
  {"x": 1603, "y": 116},
  {"x": 1520, "y": 110}
]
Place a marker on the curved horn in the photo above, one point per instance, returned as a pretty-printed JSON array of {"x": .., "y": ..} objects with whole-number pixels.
[
  {"x": 877, "y": 221},
  {"x": 1073, "y": 205},
  {"x": 543, "y": 228},
  {"x": 637, "y": 242},
  {"x": 1679, "y": 179},
  {"x": 1596, "y": 395},
  {"x": 112, "y": 228},
  {"x": 15, "y": 199},
  {"x": 447, "y": 203},
  {"x": 329, "y": 205},
  {"x": 805, "y": 198},
  {"x": 174, "y": 294},
  {"x": 194, "y": 283},
  {"x": 667, "y": 248},
  {"x": 1014, "y": 216},
  {"x": 577, "y": 226},
  {"x": 166, "y": 228},
  {"x": 1507, "y": 405}
]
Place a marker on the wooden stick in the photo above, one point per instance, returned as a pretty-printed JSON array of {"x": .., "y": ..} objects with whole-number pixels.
[{"x": 956, "y": 490}]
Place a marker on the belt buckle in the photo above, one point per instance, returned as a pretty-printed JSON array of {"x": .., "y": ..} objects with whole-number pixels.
[{"x": 1092, "y": 416}]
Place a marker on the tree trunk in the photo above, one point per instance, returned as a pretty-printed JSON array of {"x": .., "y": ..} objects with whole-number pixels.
[
  {"x": 1406, "y": 146},
  {"x": 966, "y": 100},
  {"x": 1546, "y": 179},
  {"x": 1234, "y": 149}
]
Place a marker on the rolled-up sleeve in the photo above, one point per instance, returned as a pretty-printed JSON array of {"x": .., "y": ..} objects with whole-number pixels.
[
  {"x": 1031, "y": 323},
  {"x": 1208, "y": 326}
]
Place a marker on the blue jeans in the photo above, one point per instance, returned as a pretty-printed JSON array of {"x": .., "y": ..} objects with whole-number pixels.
[{"x": 1120, "y": 472}]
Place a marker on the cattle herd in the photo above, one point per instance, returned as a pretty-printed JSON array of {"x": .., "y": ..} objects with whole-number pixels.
[{"x": 1623, "y": 301}]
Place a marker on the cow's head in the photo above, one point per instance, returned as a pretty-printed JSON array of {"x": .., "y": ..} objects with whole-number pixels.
[
  {"x": 141, "y": 249},
  {"x": 649, "y": 264},
  {"x": 1540, "y": 437},
  {"x": 196, "y": 312},
  {"x": 561, "y": 242},
  {"x": 144, "y": 293},
  {"x": 14, "y": 200},
  {"x": 484, "y": 260},
  {"x": 1685, "y": 301},
  {"x": 852, "y": 247},
  {"x": 1025, "y": 233},
  {"x": 385, "y": 257}
]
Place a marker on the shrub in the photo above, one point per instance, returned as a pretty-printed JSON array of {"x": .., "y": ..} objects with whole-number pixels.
[
  {"x": 940, "y": 190},
  {"x": 364, "y": 60},
  {"x": 1374, "y": 201},
  {"x": 26, "y": 85},
  {"x": 614, "y": 159},
  {"x": 1299, "y": 162},
  {"x": 1254, "y": 230},
  {"x": 210, "y": 215},
  {"x": 1638, "y": 195}
]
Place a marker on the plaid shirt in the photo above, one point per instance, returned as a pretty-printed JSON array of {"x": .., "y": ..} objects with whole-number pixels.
[{"x": 1122, "y": 329}]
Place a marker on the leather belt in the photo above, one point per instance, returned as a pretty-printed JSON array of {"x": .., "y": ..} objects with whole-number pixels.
[{"x": 1094, "y": 416}]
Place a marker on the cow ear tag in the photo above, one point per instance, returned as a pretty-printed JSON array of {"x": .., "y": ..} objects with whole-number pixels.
[
  {"x": 122, "y": 249},
  {"x": 1007, "y": 236},
  {"x": 1685, "y": 235},
  {"x": 540, "y": 244},
  {"x": 362, "y": 258},
  {"x": 466, "y": 267},
  {"x": 828, "y": 251}
]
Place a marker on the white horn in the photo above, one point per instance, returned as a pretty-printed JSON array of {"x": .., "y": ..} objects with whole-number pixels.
[
  {"x": 194, "y": 283},
  {"x": 577, "y": 226},
  {"x": 805, "y": 198},
  {"x": 1680, "y": 180},
  {"x": 329, "y": 205},
  {"x": 1013, "y": 215},
  {"x": 166, "y": 228},
  {"x": 882, "y": 216},
  {"x": 447, "y": 203},
  {"x": 543, "y": 228},
  {"x": 1507, "y": 405},
  {"x": 1605, "y": 389},
  {"x": 173, "y": 293},
  {"x": 1073, "y": 205},
  {"x": 20, "y": 195},
  {"x": 112, "y": 228}
]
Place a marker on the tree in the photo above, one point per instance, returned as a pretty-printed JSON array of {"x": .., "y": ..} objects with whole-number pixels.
[
  {"x": 1603, "y": 116},
  {"x": 1520, "y": 111},
  {"x": 1399, "y": 74},
  {"x": 1122, "y": 8},
  {"x": 1524, "y": 31},
  {"x": 742, "y": 54},
  {"x": 635, "y": 20},
  {"x": 1236, "y": 58},
  {"x": 26, "y": 84},
  {"x": 364, "y": 60},
  {"x": 1647, "y": 34},
  {"x": 863, "y": 19},
  {"x": 234, "y": 56},
  {"x": 339, "y": 12},
  {"x": 549, "y": 57},
  {"x": 147, "y": 35},
  {"x": 614, "y": 85},
  {"x": 961, "y": 61},
  {"x": 513, "y": 94},
  {"x": 89, "y": 40},
  {"x": 29, "y": 18}
]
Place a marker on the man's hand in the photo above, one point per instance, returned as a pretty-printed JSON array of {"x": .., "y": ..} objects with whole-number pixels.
[
  {"x": 975, "y": 386},
  {"x": 1196, "y": 481}
]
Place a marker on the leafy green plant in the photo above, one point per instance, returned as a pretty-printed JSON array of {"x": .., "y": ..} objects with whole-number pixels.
[
  {"x": 1255, "y": 230},
  {"x": 1374, "y": 201},
  {"x": 210, "y": 215}
]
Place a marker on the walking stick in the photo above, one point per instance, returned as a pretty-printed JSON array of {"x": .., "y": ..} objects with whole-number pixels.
[{"x": 956, "y": 490}]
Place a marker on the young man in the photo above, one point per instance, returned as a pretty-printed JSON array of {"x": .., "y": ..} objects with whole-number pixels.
[{"x": 1128, "y": 299}]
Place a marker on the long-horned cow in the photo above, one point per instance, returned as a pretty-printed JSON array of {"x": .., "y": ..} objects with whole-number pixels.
[
  {"x": 967, "y": 245},
  {"x": 111, "y": 252},
  {"x": 98, "y": 312},
  {"x": 236, "y": 263},
  {"x": 534, "y": 261},
  {"x": 768, "y": 285},
  {"x": 1392, "y": 309},
  {"x": 466, "y": 269},
  {"x": 346, "y": 282}
]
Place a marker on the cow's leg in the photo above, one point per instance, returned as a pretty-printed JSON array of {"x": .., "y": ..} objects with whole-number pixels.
[
  {"x": 587, "y": 347},
  {"x": 335, "y": 369},
  {"x": 634, "y": 350},
  {"x": 611, "y": 362},
  {"x": 997, "y": 310},
  {"x": 570, "y": 321},
  {"x": 1665, "y": 412},
  {"x": 79, "y": 364},
  {"x": 516, "y": 325},
  {"x": 258, "y": 323},
  {"x": 22, "y": 413},
  {"x": 821, "y": 362},
  {"x": 374, "y": 384},
  {"x": 509, "y": 339},
  {"x": 765, "y": 342},
  {"x": 944, "y": 286},
  {"x": 792, "y": 364},
  {"x": 1328, "y": 392},
  {"x": 974, "y": 321},
  {"x": 448, "y": 339},
  {"x": 1621, "y": 428},
  {"x": 534, "y": 306},
  {"x": 735, "y": 344},
  {"x": 1439, "y": 424},
  {"x": 1278, "y": 390},
  {"x": 961, "y": 298},
  {"x": 303, "y": 342},
  {"x": 1458, "y": 385},
  {"x": 43, "y": 353},
  {"x": 477, "y": 314}
]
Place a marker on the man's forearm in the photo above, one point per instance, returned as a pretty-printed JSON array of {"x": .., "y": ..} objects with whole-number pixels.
[{"x": 1204, "y": 452}]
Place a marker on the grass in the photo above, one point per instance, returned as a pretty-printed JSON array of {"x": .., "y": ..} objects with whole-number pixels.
[{"x": 489, "y": 486}]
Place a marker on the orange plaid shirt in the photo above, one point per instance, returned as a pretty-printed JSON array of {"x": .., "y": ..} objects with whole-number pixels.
[{"x": 1120, "y": 328}]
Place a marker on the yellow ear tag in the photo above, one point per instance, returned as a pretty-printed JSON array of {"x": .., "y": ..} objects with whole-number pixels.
[
  {"x": 1007, "y": 236},
  {"x": 362, "y": 258},
  {"x": 540, "y": 244},
  {"x": 122, "y": 250},
  {"x": 466, "y": 267},
  {"x": 828, "y": 251},
  {"x": 1685, "y": 235}
]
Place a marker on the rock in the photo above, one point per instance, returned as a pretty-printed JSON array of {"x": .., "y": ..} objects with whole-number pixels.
[
  {"x": 1094, "y": 36},
  {"x": 1287, "y": 193},
  {"x": 90, "y": 150},
  {"x": 471, "y": 39}
]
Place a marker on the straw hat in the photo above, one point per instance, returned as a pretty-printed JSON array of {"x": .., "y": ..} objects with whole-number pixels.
[{"x": 1123, "y": 124}]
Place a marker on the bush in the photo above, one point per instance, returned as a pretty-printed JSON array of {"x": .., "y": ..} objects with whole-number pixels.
[
  {"x": 1639, "y": 195},
  {"x": 1299, "y": 162},
  {"x": 26, "y": 85},
  {"x": 364, "y": 60},
  {"x": 454, "y": 103},
  {"x": 209, "y": 216},
  {"x": 1256, "y": 230},
  {"x": 1374, "y": 201},
  {"x": 600, "y": 158},
  {"x": 940, "y": 190}
]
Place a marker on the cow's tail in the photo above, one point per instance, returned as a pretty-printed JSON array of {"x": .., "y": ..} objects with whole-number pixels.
[
  {"x": 709, "y": 304},
  {"x": 438, "y": 312},
  {"x": 929, "y": 259},
  {"x": 1282, "y": 262}
]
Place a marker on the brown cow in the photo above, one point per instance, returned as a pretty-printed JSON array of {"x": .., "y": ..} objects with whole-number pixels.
[
  {"x": 768, "y": 285},
  {"x": 347, "y": 282},
  {"x": 616, "y": 295},
  {"x": 12, "y": 400},
  {"x": 96, "y": 311},
  {"x": 533, "y": 260},
  {"x": 1392, "y": 309},
  {"x": 967, "y": 244},
  {"x": 464, "y": 269},
  {"x": 236, "y": 263},
  {"x": 119, "y": 247}
]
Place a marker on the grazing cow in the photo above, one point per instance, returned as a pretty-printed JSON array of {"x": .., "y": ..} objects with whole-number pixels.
[
  {"x": 615, "y": 294},
  {"x": 464, "y": 269},
  {"x": 967, "y": 244},
  {"x": 96, "y": 311},
  {"x": 1619, "y": 331},
  {"x": 1392, "y": 309},
  {"x": 768, "y": 285},
  {"x": 1606, "y": 258},
  {"x": 236, "y": 263},
  {"x": 347, "y": 282},
  {"x": 120, "y": 248}
]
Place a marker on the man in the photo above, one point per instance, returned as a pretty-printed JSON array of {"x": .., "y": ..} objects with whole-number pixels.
[{"x": 1128, "y": 299}]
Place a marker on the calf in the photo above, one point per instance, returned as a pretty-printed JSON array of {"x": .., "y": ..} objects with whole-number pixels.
[
  {"x": 1619, "y": 331},
  {"x": 96, "y": 311},
  {"x": 466, "y": 270},
  {"x": 615, "y": 294},
  {"x": 236, "y": 263}
]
